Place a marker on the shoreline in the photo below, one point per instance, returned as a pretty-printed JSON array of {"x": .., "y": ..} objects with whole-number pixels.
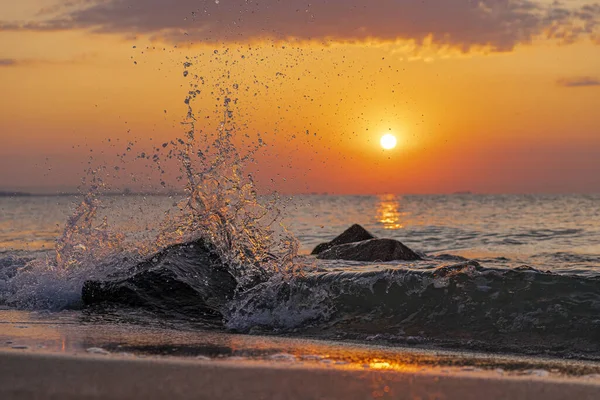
[
  {"x": 62, "y": 356},
  {"x": 74, "y": 333},
  {"x": 56, "y": 376}
]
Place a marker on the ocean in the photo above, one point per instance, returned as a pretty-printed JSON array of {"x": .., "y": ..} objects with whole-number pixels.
[
  {"x": 560, "y": 233},
  {"x": 511, "y": 273}
]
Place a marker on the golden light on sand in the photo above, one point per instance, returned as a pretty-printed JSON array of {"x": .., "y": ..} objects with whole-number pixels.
[{"x": 388, "y": 141}]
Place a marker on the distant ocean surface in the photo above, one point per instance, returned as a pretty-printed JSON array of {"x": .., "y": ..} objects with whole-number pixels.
[{"x": 559, "y": 233}]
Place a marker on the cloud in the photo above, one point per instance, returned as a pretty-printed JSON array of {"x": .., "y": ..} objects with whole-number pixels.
[
  {"x": 14, "y": 62},
  {"x": 495, "y": 24},
  {"x": 581, "y": 81},
  {"x": 8, "y": 62}
]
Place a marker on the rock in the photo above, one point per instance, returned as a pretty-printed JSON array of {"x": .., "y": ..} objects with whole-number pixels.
[
  {"x": 355, "y": 233},
  {"x": 371, "y": 250},
  {"x": 188, "y": 279}
]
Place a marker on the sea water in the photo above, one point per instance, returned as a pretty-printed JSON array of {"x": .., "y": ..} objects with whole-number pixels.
[
  {"x": 559, "y": 233},
  {"x": 517, "y": 273}
]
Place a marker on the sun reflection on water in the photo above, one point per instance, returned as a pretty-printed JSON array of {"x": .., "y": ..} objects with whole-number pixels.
[{"x": 388, "y": 212}]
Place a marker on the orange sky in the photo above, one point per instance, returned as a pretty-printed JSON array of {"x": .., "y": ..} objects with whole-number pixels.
[{"x": 474, "y": 106}]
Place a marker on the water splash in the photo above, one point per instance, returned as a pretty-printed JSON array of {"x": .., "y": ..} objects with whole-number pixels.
[
  {"x": 84, "y": 241},
  {"x": 86, "y": 249},
  {"x": 221, "y": 204}
]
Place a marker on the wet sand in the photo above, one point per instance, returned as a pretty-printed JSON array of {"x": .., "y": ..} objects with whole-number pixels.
[
  {"x": 35, "y": 376},
  {"x": 65, "y": 356}
]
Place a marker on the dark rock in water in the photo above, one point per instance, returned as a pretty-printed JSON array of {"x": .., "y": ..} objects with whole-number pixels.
[
  {"x": 355, "y": 233},
  {"x": 182, "y": 280},
  {"x": 371, "y": 250}
]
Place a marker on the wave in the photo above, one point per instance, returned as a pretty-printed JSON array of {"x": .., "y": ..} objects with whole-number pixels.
[
  {"x": 460, "y": 298},
  {"x": 466, "y": 304},
  {"x": 463, "y": 304},
  {"x": 569, "y": 258}
]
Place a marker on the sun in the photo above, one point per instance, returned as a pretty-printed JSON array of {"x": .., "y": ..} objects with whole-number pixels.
[{"x": 388, "y": 141}]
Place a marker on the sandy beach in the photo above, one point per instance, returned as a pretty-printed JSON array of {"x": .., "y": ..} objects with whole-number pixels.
[
  {"x": 34, "y": 376},
  {"x": 63, "y": 356}
]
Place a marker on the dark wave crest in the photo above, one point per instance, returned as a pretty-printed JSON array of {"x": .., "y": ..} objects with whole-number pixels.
[{"x": 462, "y": 303}]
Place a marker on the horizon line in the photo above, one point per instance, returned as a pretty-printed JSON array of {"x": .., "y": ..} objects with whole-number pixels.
[{"x": 20, "y": 193}]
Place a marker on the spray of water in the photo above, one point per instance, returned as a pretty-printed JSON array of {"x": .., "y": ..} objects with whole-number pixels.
[
  {"x": 85, "y": 241},
  {"x": 221, "y": 205},
  {"x": 86, "y": 249}
]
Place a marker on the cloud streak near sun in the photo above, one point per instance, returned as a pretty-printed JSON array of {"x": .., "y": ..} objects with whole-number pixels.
[
  {"x": 580, "y": 81},
  {"x": 498, "y": 25},
  {"x": 8, "y": 62}
]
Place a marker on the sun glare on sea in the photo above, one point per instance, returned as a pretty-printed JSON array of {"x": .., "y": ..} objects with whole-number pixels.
[{"x": 388, "y": 141}]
